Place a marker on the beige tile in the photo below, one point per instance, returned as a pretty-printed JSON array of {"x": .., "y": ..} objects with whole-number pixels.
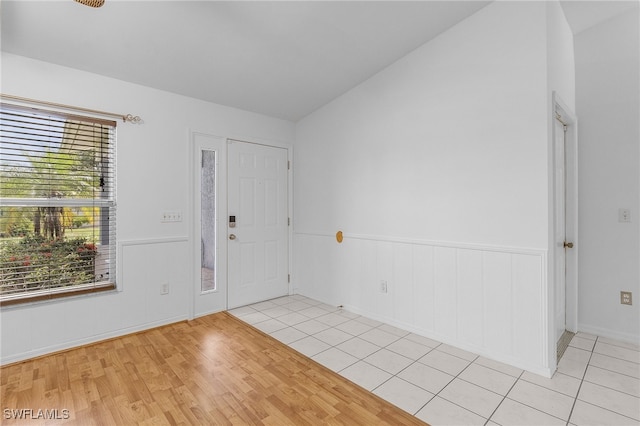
[
  {"x": 576, "y": 354},
  {"x": 243, "y": 310},
  {"x": 276, "y": 311},
  {"x": 292, "y": 319},
  {"x": 409, "y": 348},
  {"x": 297, "y": 305},
  {"x": 254, "y": 317},
  {"x": 261, "y": 306},
  {"x": 628, "y": 345},
  {"x": 474, "y": 398},
  {"x": 614, "y": 364},
  {"x": 379, "y": 337},
  {"x": 313, "y": 312},
  {"x": 403, "y": 394},
  {"x": 282, "y": 300},
  {"x": 269, "y": 326},
  {"x": 610, "y": 399},
  {"x": 288, "y": 335},
  {"x": 586, "y": 335},
  {"x": 514, "y": 413},
  {"x": 388, "y": 361},
  {"x": 543, "y": 399},
  {"x": 369, "y": 321},
  {"x": 426, "y": 377},
  {"x": 354, "y": 327},
  {"x": 572, "y": 368},
  {"x": 309, "y": 346},
  {"x": 423, "y": 340},
  {"x": 328, "y": 308},
  {"x": 311, "y": 326},
  {"x": 358, "y": 347},
  {"x": 581, "y": 343},
  {"x": 347, "y": 314},
  {"x": 585, "y": 414},
  {"x": 333, "y": 336},
  {"x": 559, "y": 382},
  {"x": 365, "y": 375},
  {"x": 487, "y": 378},
  {"x": 334, "y": 359},
  {"x": 332, "y": 319},
  {"x": 460, "y": 353},
  {"x": 448, "y": 363},
  {"x": 619, "y": 352},
  {"x": 441, "y": 412},
  {"x": 300, "y": 297},
  {"x": 393, "y": 330},
  {"x": 610, "y": 379},
  {"x": 499, "y": 366}
]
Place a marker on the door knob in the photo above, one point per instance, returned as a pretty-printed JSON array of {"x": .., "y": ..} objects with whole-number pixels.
[
  {"x": 232, "y": 236},
  {"x": 568, "y": 245}
]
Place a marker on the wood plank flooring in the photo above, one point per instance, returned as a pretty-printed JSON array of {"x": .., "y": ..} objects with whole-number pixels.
[{"x": 214, "y": 370}]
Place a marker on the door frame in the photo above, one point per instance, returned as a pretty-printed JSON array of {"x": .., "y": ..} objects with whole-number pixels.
[
  {"x": 222, "y": 248},
  {"x": 571, "y": 216}
]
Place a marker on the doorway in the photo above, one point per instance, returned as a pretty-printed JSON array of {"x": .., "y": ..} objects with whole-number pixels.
[
  {"x": 257, "y": 223},
  {"x": 565, "y": 224}
]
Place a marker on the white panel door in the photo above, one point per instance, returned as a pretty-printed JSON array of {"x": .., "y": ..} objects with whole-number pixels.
[
  {"x": 258, "y": 244},
  {"x": 559, "y": 228}
]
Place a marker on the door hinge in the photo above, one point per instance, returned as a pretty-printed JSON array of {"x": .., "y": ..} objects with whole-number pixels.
[
  {"x": 288, "y": 278},
  {"x": 288, "y": 165},
  {"x": 288, "y": 221}
]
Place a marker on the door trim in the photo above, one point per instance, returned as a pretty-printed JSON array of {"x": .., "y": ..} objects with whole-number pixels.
[{"x": 571, "y": 216}]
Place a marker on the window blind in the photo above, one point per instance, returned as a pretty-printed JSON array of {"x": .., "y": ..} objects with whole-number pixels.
[{"x": 57, "y": 203}]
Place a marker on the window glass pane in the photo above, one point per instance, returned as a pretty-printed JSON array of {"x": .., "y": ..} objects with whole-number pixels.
[
  {"x": 57, "y": 203},
  {"x": 208, "y": 220}
]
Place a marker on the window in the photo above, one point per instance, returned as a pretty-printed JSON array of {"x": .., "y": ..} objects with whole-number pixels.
[{"x": 57, "y": 204}]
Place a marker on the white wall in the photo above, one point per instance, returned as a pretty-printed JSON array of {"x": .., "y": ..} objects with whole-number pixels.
[
  {"x": 561, "y": 88},
  {"x": 153, "y": 176},
  {"x": 436, "y": 169},
  {"x": 608, "y": 107},
  {"x": 448, "y": 144}
]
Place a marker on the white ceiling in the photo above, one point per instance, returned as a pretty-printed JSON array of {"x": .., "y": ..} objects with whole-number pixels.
[{"x": 283, "y": 59}]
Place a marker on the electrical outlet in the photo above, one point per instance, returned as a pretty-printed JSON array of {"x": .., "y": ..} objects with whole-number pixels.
[
  {"x": 383, "y": 286},
  {"x": 625, "y": 298},
  {"x": 164, "y": 288}
]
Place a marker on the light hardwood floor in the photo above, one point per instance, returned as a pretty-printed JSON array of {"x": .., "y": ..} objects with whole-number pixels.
[{"x": 214, "y": 370}]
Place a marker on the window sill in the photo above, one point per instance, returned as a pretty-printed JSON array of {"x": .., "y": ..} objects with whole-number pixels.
[{"x": 52, "y": 295}]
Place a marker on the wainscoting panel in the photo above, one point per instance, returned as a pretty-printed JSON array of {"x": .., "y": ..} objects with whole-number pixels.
[
  {"x": 40, "y": 328},
  {"x": 488, "y": 300}
]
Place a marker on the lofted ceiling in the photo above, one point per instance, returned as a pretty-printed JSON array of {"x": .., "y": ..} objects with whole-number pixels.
[{"x": 282, "y": 59}]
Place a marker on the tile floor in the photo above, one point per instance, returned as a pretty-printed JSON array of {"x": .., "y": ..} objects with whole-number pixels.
[{"x": 597, "y": 382}]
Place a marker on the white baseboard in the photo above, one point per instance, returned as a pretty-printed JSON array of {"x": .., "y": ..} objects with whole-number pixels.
[
  {"x": 87, "y": 341},
  {"x": 608, "y": 333}
]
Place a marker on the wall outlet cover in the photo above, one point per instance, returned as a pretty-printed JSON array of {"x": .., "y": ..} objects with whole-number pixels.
[{"x": 626, "y": 298}]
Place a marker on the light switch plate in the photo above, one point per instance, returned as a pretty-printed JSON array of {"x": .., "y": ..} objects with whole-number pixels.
[{"x": 624, "y": 215}]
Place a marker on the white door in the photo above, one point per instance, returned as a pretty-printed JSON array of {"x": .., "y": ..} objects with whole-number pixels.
[
  {"x": 209, "y": 224},
  {"x": 560, "y": 227},
  {"x": 257, "y": 223}
]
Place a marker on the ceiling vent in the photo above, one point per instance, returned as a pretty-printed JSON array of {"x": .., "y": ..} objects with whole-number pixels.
[{"x": 91, "y": 3}]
